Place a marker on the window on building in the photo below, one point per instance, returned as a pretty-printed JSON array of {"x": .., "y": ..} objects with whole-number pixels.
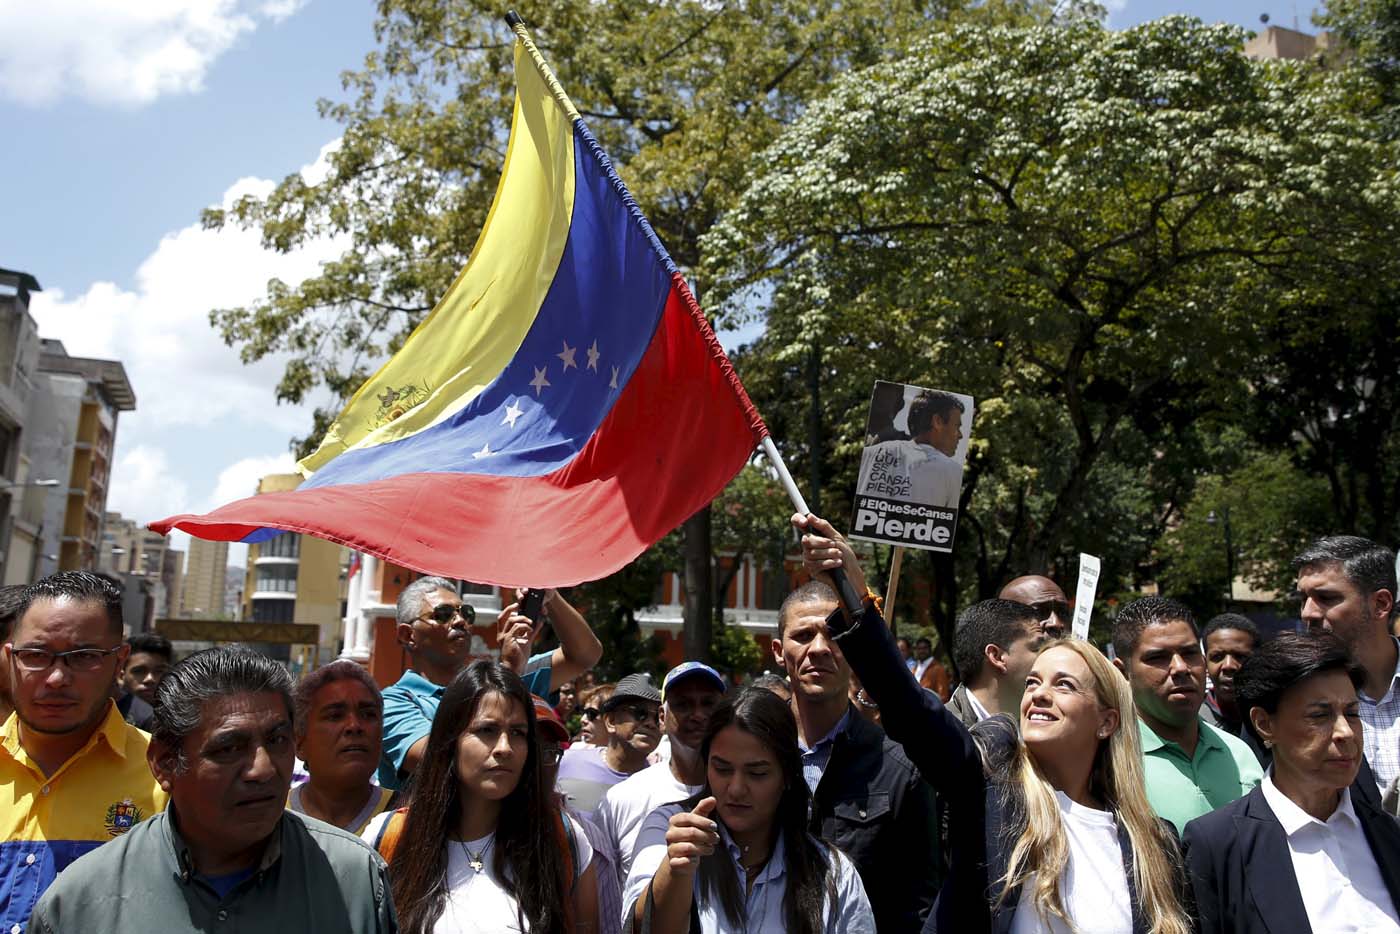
[
  {"x": 286, "y": 545},
  {"x": 275, "y": 578},
  {"x": 273, "y": 611}
]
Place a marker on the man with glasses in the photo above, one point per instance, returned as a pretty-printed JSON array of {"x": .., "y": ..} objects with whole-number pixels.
[
  {"x": 73, "y": 772},
  {"x": 632, "y": 720},
  {"x": 434, "y": 627},
  {"x": 1046, "y": 598}
]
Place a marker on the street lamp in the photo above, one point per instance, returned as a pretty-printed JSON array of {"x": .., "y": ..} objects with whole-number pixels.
[{"x": 1224, "y": 520}]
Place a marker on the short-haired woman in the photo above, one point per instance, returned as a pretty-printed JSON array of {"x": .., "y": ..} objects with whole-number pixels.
[
  {"x": 482, "y": 847},
  {"x": 338, "y": 723},
  {"x": 1307, "y": 849},
  {"x": 1049, "y": 830},
  {"x": 737, "y": 857}
]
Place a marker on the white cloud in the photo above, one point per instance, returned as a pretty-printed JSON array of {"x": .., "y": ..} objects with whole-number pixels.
[
  {"x": 240, "y": 480},
  {"x": 181, "y": 370},
  {"x": 193, "y": 394},
  {"x": 144, "y": 486},
  {"x": 126, "y": 53}
]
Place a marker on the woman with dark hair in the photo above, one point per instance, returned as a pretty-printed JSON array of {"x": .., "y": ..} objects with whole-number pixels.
[
  {"x": 1307, "y": 849},
  {"x": 737, "y": 856},
  {"x": 482, "y": 846}
]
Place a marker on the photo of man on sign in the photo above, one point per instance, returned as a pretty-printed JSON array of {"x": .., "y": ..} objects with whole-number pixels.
[{"x": 911, "y": 470}]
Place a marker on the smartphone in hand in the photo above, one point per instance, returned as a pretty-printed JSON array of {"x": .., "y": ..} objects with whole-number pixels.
[{"x": 533, "y": 605}]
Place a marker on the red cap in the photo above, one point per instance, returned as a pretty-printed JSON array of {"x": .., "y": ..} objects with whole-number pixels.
[{"x": 548, "y": 721}]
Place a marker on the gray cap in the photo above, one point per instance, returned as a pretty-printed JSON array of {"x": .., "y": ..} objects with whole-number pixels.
[{"x": 633, "y": 687}]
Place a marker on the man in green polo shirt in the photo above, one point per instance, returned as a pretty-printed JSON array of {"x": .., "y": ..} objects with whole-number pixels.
[{"x": 1191, "y": 768}]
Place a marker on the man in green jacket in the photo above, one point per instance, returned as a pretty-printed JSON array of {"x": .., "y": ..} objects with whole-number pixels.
[{"x": 225, "y": 854}]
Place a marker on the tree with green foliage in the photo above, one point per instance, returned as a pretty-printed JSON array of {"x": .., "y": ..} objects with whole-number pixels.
[
  {"x": 1089, "y": 231},
  {"x": 680, "y": 94}
]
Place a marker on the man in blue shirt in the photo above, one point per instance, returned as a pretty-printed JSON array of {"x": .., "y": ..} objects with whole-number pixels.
[{"x": 435, "y": 630}]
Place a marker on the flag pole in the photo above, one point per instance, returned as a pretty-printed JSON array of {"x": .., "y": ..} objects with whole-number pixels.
[{"x": 853, "y": 602}]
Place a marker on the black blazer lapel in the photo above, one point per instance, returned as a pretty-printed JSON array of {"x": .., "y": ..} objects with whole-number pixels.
[
  {"x": 1268, "y": 868},
  {"x": 1383, "y": 833}
]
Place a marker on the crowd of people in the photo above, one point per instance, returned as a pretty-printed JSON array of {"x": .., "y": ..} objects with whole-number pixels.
[{"x": 1191, "y": 778}]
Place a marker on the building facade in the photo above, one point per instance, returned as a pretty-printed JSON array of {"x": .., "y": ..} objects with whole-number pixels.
[
  {"x": 73, "y": 417},
  {"x": 21, "y": 493},
  {"x": 205, "y": 580},
  {"x": 296, "y": 579}
]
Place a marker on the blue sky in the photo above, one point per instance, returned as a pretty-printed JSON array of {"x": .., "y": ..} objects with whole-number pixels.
[{"x": 118, "y": 134}]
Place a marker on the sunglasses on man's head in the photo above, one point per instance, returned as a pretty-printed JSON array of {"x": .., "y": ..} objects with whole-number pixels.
[{"x": 444, "y": 613}]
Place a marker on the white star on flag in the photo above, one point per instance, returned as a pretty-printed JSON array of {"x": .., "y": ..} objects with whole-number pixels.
[
  {"x": 484, "y": 452},
  {"x": 513, "y": 411},
  {"x": 593, "y": 356},
  {"x": 568, "y": 356},
  {"x": 613, "y": 384},
  {"x": 539, "y": 382}
]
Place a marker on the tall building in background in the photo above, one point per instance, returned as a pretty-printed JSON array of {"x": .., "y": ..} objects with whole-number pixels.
[
  {"x": 295, "y": 579},
  {"x": 72, "y": 419},
  {"x": 234, "y": 579},
  {"x": 205, "y": 580},
  {"x": 172, "y": 578},
  {"x": 22, "y": 492}
]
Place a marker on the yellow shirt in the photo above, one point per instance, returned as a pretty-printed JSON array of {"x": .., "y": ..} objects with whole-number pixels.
[{"x": 46, "y": 822}]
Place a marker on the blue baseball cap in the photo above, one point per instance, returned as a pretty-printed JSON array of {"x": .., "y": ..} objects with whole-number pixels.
[{"x": 691, "y": 669}]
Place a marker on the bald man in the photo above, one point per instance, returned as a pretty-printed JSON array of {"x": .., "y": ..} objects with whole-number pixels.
[{"x": 1046, "y": 597}]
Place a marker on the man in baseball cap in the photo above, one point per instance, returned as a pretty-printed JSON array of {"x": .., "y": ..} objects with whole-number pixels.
[
  {"x": 690, "y": 692},
  {"x": 632, "y": 720}
]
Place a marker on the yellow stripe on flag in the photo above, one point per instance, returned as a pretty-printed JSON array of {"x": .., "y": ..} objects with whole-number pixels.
[{"x": 477, "y": 327}]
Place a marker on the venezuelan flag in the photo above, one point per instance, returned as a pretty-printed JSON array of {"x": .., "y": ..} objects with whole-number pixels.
[{"x": 564, "y": 406}]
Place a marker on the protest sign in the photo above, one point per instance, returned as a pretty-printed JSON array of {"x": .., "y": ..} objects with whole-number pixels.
[
  {"x": 911, "y": 470},
  {"x": 1084, "y": 594}
]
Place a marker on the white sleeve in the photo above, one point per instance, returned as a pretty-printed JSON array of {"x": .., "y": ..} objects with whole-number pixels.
[
  {"x": 374, "y": 827},
  {"x": 647, "y": 855},
  {"x": 850, "y": 913}
]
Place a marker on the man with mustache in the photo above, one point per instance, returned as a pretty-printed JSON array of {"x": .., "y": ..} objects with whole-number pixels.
[
  {"x": 73, "y": 774},
  {"x": 226, "y": 855},
  {"x": 1191, "y": 768},
  {"x": 867, "y": 798},
  {"x": 689, "y": 694},
  {"x": 632, "y": 721},
  {"x": 434, "y": 627},
  {"x": 339, "y": 734}
]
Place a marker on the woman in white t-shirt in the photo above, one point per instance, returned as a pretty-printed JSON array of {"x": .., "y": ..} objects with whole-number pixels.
[
  {"x": 737, "y": 857},
  {"x": 482, "y": 847}
]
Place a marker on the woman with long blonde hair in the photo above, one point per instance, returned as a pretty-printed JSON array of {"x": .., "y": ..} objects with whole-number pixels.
[{"x": 1049, "y": 826}]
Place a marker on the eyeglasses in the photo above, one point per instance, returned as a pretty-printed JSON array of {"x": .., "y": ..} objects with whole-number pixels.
[
  {"x": 75, "y": 659},
  {"x": 551, "y": 755},
  {"x": 641, "y": 714},
  {"x": 444, "y": 613},
  {"x": 1046, "y": 608},
  {"x": 591, "y": 713}
]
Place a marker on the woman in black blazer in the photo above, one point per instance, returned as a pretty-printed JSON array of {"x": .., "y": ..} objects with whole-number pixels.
[
  {"x": 1309, "y": 850},
  {"x": 1042, "y": 821}
]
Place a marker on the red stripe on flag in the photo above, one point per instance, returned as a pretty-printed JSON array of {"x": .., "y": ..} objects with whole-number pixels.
[{"x": 680, "y": 430}]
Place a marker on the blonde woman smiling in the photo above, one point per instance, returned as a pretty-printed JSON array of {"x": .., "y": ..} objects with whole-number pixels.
[{"x": 1050, "y": 830}]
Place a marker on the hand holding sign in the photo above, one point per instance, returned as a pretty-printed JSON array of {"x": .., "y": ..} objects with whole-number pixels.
[{"x": 691, "y": 835}]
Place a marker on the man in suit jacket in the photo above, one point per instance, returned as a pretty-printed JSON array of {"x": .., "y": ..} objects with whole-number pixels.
[
  {"x": 930, "y": 674},
  {"x": 994, "y": 647}
]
